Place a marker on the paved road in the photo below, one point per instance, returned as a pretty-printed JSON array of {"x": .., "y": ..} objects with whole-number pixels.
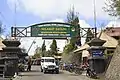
[{"x": 35, "y": 74}]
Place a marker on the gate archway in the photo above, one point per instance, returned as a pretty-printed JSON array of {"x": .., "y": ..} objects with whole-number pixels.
[{"x": 51, "y": 30}]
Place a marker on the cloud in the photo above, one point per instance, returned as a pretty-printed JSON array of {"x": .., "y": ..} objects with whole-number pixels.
[
  {"x": 55, "y": 20},
  {"x": 27, "y": 42},
  {"x": 55, "y": 8},
  {"x": 114, "y": 23},
  {"x": 84, "y": 24},
  {"x": 3, "y": 36}
]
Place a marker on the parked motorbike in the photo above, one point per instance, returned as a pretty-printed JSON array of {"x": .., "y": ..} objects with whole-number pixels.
[{"x": 91, "y": 73}]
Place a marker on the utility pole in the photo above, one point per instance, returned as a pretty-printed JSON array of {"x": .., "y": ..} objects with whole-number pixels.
[
  {"x": 31, "y": 45},
  {"x": 94, "y": 3},
  {"x": 15, "y": 15}
]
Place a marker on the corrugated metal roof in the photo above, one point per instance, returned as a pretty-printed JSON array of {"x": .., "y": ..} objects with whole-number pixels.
[{"x": 113, "y": 31}]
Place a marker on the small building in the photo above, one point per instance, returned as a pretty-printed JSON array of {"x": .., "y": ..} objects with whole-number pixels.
[
  {"x": 113, "y": 32},
  {"x": 110, "y": 45}
]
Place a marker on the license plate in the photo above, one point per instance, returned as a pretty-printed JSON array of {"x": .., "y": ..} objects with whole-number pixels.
[{"x": 51, "y": 68}]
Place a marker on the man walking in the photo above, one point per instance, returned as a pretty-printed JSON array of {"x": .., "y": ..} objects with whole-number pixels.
[{"x": 29, "y": 64}]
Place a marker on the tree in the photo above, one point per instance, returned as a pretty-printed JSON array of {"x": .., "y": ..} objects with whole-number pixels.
[
  {"x": 73, "y": 19},
  {"x": 53, "y": 47},
  {"x": 112, "y": 7},
  {"x": 49, "y": 54},
  {"x": 71, "y": 16},
  {"x": 1, "y": 27},
  {"x": 90, "y": 35},
  {"x": 43, "y": 48},
  {"x": 36, "y": 55},
  {"x": 68, "y": 48},
  {"x": 38, "y": 52}
]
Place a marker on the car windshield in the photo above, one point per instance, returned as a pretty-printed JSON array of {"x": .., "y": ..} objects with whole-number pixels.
[{"x": 49, "y": 60}]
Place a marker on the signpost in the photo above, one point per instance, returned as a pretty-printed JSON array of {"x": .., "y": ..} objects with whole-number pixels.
[{"x": 98, "y": 53}]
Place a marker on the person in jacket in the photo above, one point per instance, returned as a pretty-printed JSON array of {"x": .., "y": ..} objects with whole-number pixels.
[{"x": 29, "y": 63}]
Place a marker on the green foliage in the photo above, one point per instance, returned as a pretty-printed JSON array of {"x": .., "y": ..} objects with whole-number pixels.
[
  {"x": 72, "y": 57},
  {"x": 68, "y": 48},
  {"x": 53, "y": 47},
  {"x": 68, "y": 56},
  {"x": 73, "y": 41},
  {"x": 112, "y": 7},
  {"x": 90, "y": 35},
  {"x": 1, "y": 28},
  {"x": 48, "y": 54},
  {"x": 73, "y": 19},
  {"x": 43, "y": 48},
  {"x": 36, "y": 55},
  {"x": 108, "y": 55}
]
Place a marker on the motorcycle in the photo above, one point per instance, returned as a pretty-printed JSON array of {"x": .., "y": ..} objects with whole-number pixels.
[{"x": 91, "y": 73}]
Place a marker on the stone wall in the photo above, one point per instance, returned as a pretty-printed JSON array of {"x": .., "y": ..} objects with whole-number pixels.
[{"x": 113, "y": 71}]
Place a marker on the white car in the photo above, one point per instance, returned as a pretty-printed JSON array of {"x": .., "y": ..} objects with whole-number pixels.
[{"x": 49, "y": 64}]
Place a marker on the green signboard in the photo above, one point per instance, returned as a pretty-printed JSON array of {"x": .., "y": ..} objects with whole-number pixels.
[{"x": 52, "y": 31}]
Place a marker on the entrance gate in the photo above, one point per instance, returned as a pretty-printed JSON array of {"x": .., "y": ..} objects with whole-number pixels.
[{"x": 51, "y": 30}]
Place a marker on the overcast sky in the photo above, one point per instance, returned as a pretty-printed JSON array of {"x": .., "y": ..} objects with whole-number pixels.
[{"x": 30, "y": 12}]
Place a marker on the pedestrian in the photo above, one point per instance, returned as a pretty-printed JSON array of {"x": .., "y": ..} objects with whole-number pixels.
[{"x": 29, "y": 63}]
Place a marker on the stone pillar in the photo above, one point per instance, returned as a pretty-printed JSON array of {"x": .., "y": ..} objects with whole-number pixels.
[
  {"x": 11, "y": 57},
  {"x": 97, "y": 60}
]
